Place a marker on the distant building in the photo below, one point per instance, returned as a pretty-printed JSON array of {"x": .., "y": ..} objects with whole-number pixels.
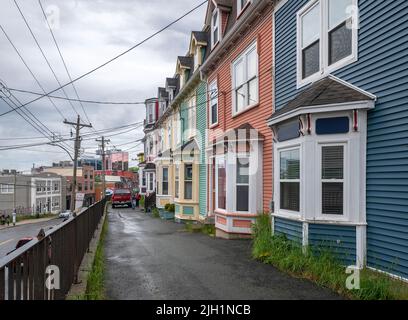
[
  {"x": 96, "y": 163},
  {"x": 31, "y": 194},
  {"x": 117, "y": 161},
  {"x": 85, "y": 182}
]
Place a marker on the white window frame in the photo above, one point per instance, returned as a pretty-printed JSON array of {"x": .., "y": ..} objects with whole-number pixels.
[
  {"x": 219, "y": 159},
  {"x": 177, "y": 181},
  {"x": 189, "y": 180},
  {"x": 218, "y": 26},
  {"x": 346, "y": 182},
  {"x": 324, "y": 69},
  {"x": 7, "y": 188},
  {"x": 238, "y": 156},
  {"x": 243, "y": 58},
  {"x": 241, "y": 8},
  {"x": 168, "y": 181},
  {"x": 150, "y": 182},
  {"x": 191, "y": 114},
  {"x": 294, "y": 145},
  {"x": 213, "y": 89},
  {"x": 151, "y": 112},
  {"x": 169, "y": 142}
]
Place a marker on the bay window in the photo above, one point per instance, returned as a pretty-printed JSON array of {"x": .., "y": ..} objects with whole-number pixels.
[
  {"x": 327, "y": 37},
  {"x": 221, "y": 184},
  {"x": 245, "y": 79},
  {"x": 290, "y": 180},
  {"x": 188, "y": 181},
  {"x": 242, "y": 184},
  {"x": 213, "y": 93}
]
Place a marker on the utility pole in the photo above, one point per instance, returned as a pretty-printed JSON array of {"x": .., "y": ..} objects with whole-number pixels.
[
  {"x": 15, "y": 191},
  {"x": 103, "y": 141},
  {"x": 78, "y": 126}
]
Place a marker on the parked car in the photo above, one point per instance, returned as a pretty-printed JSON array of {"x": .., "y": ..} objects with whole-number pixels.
[
  {"x": 65, "y": 214},
  {"x": 121, "y": 197}
]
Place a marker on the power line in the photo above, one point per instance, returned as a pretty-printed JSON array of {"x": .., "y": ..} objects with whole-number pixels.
[
  {"x": 113, "y": 129},
  {"x": 43, "y": 53},
  {"x": 31, "y": 72},
  {"x": 63, "y": 60},
  {"x": 79, "y": 100},
  {"x": 114, "y": 58},
  {"x": 11, "y": 147}
]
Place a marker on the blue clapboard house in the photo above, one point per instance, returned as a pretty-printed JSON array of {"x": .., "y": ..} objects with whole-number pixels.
[{"x": 340, "y": 127}]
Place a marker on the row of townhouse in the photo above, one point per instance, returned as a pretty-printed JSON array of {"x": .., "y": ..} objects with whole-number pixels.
[{"x": 295, "y": 108}]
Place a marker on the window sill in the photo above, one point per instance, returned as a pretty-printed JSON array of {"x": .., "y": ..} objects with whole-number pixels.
[
  {"x": 212, "y": 126},
  {"x": 237, "y": 114}
]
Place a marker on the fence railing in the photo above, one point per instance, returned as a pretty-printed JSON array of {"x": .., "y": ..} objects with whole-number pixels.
[{"x": 46, "y": 267}]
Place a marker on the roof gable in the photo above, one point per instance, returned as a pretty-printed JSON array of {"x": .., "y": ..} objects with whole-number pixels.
[{"x": 327, "y": 91}]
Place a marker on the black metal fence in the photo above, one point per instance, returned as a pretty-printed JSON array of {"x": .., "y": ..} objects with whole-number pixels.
[{"x": 46, "y": 267}]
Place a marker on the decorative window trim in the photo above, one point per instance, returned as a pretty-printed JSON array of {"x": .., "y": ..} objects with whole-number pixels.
[
  {"x": 325, "y": 68},
  {"x": 216, "y": 11},
  {"x": 237, "y": 156},
  {"x": 294, "y": 144},
  {"x": 218, "y": 159},
  {"x": 346, "y": 179},
  {"x": 213, "y": 84},
  {"x": 243, "y": 58}
]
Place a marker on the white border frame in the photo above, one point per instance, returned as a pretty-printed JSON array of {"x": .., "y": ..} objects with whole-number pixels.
[
  {"x": 242, "y": 56},
  {"x": 325, "y": 69}
]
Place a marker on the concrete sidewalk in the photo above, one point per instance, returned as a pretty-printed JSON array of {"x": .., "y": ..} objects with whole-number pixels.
[{"x": 28, "y": 221}]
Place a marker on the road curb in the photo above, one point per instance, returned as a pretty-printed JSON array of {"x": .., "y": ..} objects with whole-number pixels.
[{"x": 78, "y": 290}]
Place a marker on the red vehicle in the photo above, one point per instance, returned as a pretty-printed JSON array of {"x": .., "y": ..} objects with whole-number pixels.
[{"x": 121, "y": 197}]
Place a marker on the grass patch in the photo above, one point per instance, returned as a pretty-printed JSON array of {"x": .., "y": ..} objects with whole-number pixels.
[
  {"x": 208, "y": 229},
  {"x": 155, "y": 213},
  {"x": 322, "y": 268},
  {"x": 95, "y": 289},
  {"x": 34, "y": 217}
]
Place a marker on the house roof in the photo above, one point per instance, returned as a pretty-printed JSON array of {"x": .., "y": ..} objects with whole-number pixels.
[
  {"x": 150, "y": 166},
  {"x": 186, "y": 62},
  {"x": 162, "y": 93},
  {"x": 171, "y": 82},
  {"x": 200, "y": 36},
  {"x": 328, "y": 91}
]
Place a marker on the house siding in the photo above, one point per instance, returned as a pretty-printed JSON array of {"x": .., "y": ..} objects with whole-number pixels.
[
  {"x": 338, "y": 240},
  {"x": 292, "y": 230},
  {"x": 256, "y": 117},
  {"x": 201, "y": 123},
  {"x": 381, "y": 69}
]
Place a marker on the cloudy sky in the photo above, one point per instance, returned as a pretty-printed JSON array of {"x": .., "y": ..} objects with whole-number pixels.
[{"x": 89, "y": 32}]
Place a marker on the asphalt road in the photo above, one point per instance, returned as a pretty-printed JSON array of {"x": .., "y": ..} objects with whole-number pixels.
[
  {"x": 10, "y": 236},
  {"x": 149, "y": 258}
]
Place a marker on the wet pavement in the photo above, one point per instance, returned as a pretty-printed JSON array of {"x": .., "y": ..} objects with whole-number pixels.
[{"x": 149, "y": 258}]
